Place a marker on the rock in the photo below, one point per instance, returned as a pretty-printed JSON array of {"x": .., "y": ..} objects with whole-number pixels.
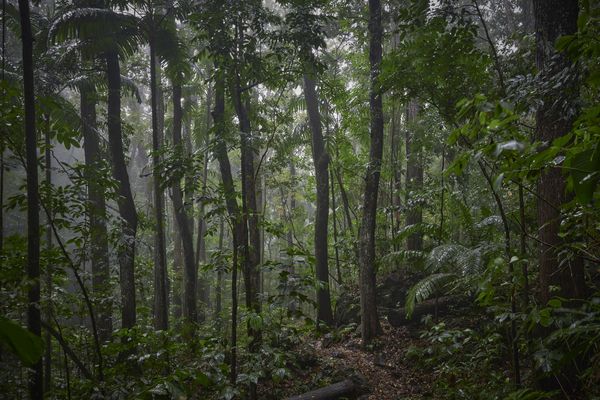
[{"x": 347, "y": 309}]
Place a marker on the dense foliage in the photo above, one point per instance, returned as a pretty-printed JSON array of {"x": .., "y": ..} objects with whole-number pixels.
[{"x": 224, "y": 184}]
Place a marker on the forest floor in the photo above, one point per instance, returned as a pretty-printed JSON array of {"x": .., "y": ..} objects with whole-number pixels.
[{"x": 385, "y": 372}]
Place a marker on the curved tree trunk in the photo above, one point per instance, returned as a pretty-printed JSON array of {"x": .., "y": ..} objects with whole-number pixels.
[
  {"x": 127, "y": 211},
  {"x": 321, "y": 162},
  {"x": 368, "y": 302}
]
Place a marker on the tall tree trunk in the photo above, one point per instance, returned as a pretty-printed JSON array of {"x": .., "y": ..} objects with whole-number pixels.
[
  {"x": 321, "y": 162},
  {"x": 36, "y": 391},
  {"x": 161, "y": 313},
  {"x": 368, "y": 302},
  {"x": 201, "y": 258},
  {"x": 219, "y": 288},
  {"x": 48, "y": 274},
  {"x": 96, "y": 213},
  {"x": 249, "y": 211},
  {"x": 239, "y": 229},
  {"x": 190, "y": 312},
  {"x": 177, "y": 270},
  {"x": 125, "y": 202},
  {"x": 335, "y": 231},
  {"x": 414, "y": 176},
  {"x": 554, "y": 18}
]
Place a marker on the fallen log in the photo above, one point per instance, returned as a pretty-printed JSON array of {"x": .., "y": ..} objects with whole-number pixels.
[{"x": 346, "y": 389}]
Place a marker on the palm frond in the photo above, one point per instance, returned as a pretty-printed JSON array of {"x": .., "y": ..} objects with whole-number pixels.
[{"x": 101, "y": 29}]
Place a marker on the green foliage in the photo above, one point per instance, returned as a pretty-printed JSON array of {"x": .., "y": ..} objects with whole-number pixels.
[{"x": 24, "y": 344}]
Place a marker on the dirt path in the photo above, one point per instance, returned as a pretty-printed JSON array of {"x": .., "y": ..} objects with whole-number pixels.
[{"x": 385, "y": 371}]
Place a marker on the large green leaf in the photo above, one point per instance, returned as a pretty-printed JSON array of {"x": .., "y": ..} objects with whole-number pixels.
[{"x": 24, "y": 344}]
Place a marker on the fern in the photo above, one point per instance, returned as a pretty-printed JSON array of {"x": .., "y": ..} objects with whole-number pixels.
[{"x": 427, "y": 287}]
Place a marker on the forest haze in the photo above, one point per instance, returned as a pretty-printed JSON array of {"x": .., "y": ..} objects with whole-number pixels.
[{"x": 300, "y": 199}]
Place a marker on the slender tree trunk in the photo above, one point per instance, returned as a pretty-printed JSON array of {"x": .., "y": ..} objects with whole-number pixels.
[
  {"x": 177, "y": 270},
  {"x": 161, "y": 313},
  {"x": 125, "y": 202},
  {"x": 203, "y": 282},
  {"x": 335, "y": 231},
  {"x": 368, "y": 302},
  {"x": 239, "y": 229},
  {"x": 96, "y": 213},
  {"x": 190, "y": 312},
  {"x": 554, "y": 18},
  {"x": 414, "y": 176},
  {"x": 36, "y": 391},
  {"x": 249, "y": 214},
  {"x": 219, "y": 289},
  {"x": 48, "y": 274},
  {"x": 321, "y": 162}
]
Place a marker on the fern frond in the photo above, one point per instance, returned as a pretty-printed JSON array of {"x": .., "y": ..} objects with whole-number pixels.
[
  {"x": 402, "y": 255},
  {"x": 426, "y": 288}
]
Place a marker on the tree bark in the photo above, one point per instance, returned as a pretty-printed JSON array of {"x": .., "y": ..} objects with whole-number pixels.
[
  {"x": 249, "y": 213},
  {"x": 48, "y": 272},
  {"x": 239, "y": 229},
  {"x": 414, "y": 176},
  {"x": 34, "y": 325},
  {"x": 554, "y": 18},
  {"x": 190, "y": 312},
  {"x": 370, "y": 327},
  {"x": 321, "y": 162},
  {"x": 161, "y": 313},
  {"x": 127, "y": 211},
  {"x": 96, "y": 212}
]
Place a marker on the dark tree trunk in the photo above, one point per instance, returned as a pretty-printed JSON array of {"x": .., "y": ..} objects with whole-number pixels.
[
  {"x": 249, "y": 212},
  {"x": 366, "y": 260},
  {"x": 96, "y": 213},
  {"x": 201, "y": 258},
  {"x": 48, "y": 272},
  {"x": 414, "y": 176},
  {"x": 239, "y": 229},
  {"x": 161, "y": 313},
  {"x": 190, "y": 312},
  {"x": 219, "y": 288},
  {"x": 554, "y": 18},
  {"x": 177, "y": 270},
  {"x": 125, "y": 202},
  {"x": 321, "y": 162},
  {"x": 36, "y": 391}
]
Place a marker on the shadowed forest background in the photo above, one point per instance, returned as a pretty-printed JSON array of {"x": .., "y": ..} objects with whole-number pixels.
[{"x": 300, "y": 199}]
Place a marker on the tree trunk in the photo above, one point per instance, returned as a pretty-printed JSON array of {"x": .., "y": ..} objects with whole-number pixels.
[
  {"x": 368, "y": 302},
  {"x": 414, "y": 176},
  {"x": 190, "y": 312},
  {"x": 249, "y": 212},
  {"x": 321, "y": 162},
  {"x": 96, "y": 213},
  {"x": 161, "y": 313},
  {"x": 239, "y": 230},
  {"x": 201, "y": 258},
  {"x": 554, "y": 18},
  {"x": 48, "y": 272},
  {"x": 127, "y": 211},
  {"x": 36, "y": 390}
]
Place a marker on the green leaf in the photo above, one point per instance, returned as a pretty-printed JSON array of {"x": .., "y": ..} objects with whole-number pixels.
[{"x": 24, "y": 344}]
